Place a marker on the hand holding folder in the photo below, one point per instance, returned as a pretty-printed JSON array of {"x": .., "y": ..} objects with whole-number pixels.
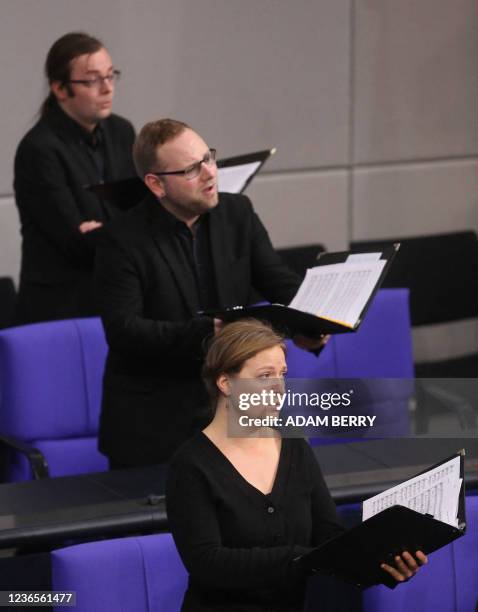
[
  {"x": 424, "y": 522},
  {"x": 332, "y": 299}
]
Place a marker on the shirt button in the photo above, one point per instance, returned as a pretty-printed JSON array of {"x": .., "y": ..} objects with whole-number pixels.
[{"x": 271, "y": 509}]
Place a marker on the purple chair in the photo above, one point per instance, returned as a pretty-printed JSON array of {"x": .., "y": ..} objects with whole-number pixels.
[
  {"x": 381, "y": 348},
  {"x": 50, "y": 393},
  {"x": 448, "y": 584},
  {"x": 380, "y": 353},
  {"x": 127, "y": 574}
]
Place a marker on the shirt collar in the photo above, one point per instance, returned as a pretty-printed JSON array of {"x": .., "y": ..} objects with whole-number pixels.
[
  {"x": 175, "y": 224},
  {"x": 77, "y": 131}
]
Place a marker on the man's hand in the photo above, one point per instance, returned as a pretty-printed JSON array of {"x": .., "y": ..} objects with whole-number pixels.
[
  {"x": 310, "y": 344},
  {"x": 88, "y": 226},
  {"x": 406, "y": 565},
  {"x": 218, "y": 325}
]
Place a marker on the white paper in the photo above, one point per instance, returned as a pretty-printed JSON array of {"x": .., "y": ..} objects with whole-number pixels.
[
  {"x": 233, "y": 178},
  {"x": 436, "y": 492},
  {"x": 338, "y": 291},
  {"x": 360, "y": 257}
]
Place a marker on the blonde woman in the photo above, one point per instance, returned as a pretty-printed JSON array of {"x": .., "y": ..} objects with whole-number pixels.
[{"x": 243, "y": 510}]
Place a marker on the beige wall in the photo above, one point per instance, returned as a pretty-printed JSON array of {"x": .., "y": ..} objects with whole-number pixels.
[{"x": 373, "y": 104}]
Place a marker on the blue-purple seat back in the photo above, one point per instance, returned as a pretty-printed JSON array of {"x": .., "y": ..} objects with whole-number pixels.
[
  {"x": 449, "y": 583},
  {"x": 380, "y": 352},
  {"x": 381, "y": 348},
  {"x": 128, "y": 574},
  {"x": 50, "y": 393}
]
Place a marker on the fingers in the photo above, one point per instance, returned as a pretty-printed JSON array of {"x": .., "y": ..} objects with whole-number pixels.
[
  {"x": 402, "y": 566},
  {"x": 406, "y": 565},
  {"x": 88, "y": 226},
  {"x": 393, "y": 572},
  {"x": 422, "y": 558}
]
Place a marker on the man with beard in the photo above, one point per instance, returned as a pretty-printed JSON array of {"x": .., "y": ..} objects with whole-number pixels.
[{"x": 185, "y": 249}]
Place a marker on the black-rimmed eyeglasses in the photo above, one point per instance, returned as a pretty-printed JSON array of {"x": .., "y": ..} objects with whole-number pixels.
[
  {"x": 193, "y": 170},
  {"x": 96, "y": 82}
]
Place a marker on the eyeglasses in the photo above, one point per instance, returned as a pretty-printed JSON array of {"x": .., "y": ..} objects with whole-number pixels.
[
  {"x": 97, "y": 81},
  {"x": 193, "y": 170}
]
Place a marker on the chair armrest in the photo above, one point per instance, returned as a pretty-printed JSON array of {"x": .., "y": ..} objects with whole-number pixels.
[{"x": 37, "y": 460}]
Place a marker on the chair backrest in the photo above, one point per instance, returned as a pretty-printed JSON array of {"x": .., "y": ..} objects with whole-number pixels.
[
  {"x": 300, "y": 258},
  {"x": 380, "y": 353},
  {"x": 441, "y": 272},
  {"x": 50, "y": 392},
  {"x": 8, "y": 296},
  {"x": 381, "y": 348},
  {"x": 127, "y": 574}
]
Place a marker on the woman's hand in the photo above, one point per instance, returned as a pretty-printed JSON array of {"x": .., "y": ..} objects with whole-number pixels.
[{"x": 406, "y": 565}]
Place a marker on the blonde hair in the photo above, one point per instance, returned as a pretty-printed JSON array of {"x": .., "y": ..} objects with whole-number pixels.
[{"x": 233, "y": 346}]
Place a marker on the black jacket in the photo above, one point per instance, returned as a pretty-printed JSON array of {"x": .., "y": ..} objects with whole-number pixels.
[
  {"x": 153, "y": 396},
  {"x": 51, "y": 171}
]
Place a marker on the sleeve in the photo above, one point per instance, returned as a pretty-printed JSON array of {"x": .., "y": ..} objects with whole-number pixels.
[
  {"x": 119, "y": 287},
  {"x": 194, "y": 524},
  {"x": 270, "y": 275},
  {"x": 326, "y": 523},
  {"x": 43, "y": 194}
]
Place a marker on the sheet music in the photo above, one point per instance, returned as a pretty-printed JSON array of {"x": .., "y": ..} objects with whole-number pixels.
[
  {"x": 359, "y": 257},
  {"x": 436, "y": 492},
  {"x": 233, "y": 178},
  {"x": 338, "y": 291}
]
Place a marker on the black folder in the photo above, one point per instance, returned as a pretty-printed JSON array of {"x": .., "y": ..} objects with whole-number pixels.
[
  {"x": 124, "y": 194},
  {"x": 248, "y": 158},
  {"x": 356, "y": 555},
  {"x": 291, "y": 321},
  {"x": 127, "y": 193}
]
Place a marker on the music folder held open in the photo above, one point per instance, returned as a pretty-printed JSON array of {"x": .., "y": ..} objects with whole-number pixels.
[
  {"x": 423, "y": 513},
  {"x": 332, "y": 299}
]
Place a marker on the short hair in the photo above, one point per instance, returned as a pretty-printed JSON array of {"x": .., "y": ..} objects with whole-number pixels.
[
  {"x": 233, "y": 346},
  {"x": 61, "y": 53},
  {"x": 151, "y": 136}
]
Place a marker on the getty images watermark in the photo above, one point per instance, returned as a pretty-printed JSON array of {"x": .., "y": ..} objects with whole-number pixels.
[{"x": 300, "y": 406}]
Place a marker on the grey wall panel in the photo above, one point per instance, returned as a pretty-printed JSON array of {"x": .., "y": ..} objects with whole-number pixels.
[
  {"x": 415, "y": 199},
  {"x": 416, "y": 82},
  {"x": 9, "y": 239},
  {"x": 247, "y": 74},
  {"x": 259, "y": 74},
  {"x": 445, "y": 341},
  {"x": 303, "y": 208}
]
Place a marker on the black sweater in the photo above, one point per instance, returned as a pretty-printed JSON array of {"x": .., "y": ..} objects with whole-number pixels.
[{"x": 237, "y": 543}]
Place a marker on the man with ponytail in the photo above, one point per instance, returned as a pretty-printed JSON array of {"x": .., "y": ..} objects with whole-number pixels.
[{"x": 77, "y": 141}]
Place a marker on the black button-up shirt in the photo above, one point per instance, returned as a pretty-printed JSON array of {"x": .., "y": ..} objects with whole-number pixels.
[{"x": 195, "y": 243}]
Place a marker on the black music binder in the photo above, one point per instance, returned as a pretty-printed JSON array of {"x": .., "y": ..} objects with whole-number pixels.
[
  {"x": 123, "y": 194},
  {"x": 127, "y": 193},
  {"x": 258, "y": 158},
  {"x": 291, "y": 321},
  {"x": 356, "y": 555}
]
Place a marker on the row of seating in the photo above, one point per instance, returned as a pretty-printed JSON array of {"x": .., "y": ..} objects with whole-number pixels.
[
  {"x": 146, "y": 573},
  {"x": 51, "y": 382},
  {"x": 441, "y": 272},
  {"x": 51, "y": 377}
]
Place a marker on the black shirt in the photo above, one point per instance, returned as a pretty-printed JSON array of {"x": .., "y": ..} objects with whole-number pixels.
[
  {"x": 237, "y": 543},
  {"x": 195, "y": 244}
]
